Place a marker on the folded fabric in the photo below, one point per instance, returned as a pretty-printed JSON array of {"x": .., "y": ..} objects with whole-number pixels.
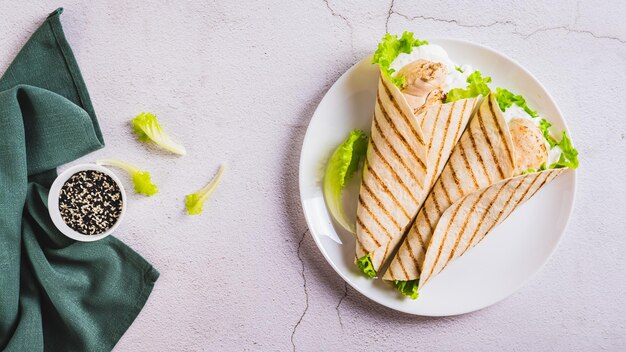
[{"x": 55, "y": 294}]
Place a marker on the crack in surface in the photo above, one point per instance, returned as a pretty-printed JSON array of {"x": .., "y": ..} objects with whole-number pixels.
[
  {"x": 306, "y": 292},
  {"x": 453, "y": 21},
  {"x": 345, "y": 294},
  {"x": 389, "y": 13},
  {"x": 514, "y": 31},
  {"x": 346, "y": 20},
  {"x": 572, "y": 30}
]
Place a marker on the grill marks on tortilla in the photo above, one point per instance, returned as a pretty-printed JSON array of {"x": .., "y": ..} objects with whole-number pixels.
[
  {"x": 466, "y": 163},
  {"x": 455, "y": 211},
  {"x": 443, "y": 125},
  {"x": 413, "y": 257},
  {"x": 432, "y": 131},
  {"x": 406, "y": 119},
  {"x": 439, "y": 242},
  {"x": 377, "y": 131},
  {"x": 393, "y": 180},
  {"x": 482, "y": 218},
  {"x": 481, "y": 162},
  {"x": 399, "y": 135},
  {"x": 445, "y": 133},
  {"x": 373, "y": 217},
  {"x": 467, "y": 223},
  {"x": 380, "y": 205},
  {"x": 471, "y": 210},
  {"x": 382, "y": 184},
  {"x": 489, "y": 145},
  {"x": 360, "y": 223},
  {"x": 393, "y": 172},
  {"x": 481, "y": 157},
  {"x": 502, "y": 126}
]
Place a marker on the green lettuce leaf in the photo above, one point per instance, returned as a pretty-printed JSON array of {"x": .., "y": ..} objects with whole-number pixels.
[
  {"x": 341, "y": 167},
  {"x": 407, "y": 288},
  {"x": 388, "y": 50},
  {"x": 194, "y": 202},
  {"x": 458, "y": 68},
  {"x": 477, "y": 86},
  {"x": 141, "y": 179},
  {"x": 544, "y": 127},
  {"x": 147, "y": 128},
  {"x": 569, "y": 155},
  {"x": 506, "y": 98},
  {"x": 365, "y": 264}
]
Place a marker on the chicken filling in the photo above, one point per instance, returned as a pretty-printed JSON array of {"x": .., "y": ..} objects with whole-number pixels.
[{"x": 424, "y": 84}]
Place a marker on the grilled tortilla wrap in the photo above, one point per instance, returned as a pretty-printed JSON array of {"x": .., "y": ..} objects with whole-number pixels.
[
  {"x": 469, "y": 220},
  {"x": 405, "y": 156},
  {"x": 476, "y": 191}
]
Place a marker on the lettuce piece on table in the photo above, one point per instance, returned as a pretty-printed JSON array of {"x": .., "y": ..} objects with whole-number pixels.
[
  {"x": 147, "y": 128},
  {"x": 141, "y": 179},
  {"x": 194, "y": 202}
]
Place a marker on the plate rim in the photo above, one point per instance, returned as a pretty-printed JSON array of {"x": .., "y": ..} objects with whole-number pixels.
[{"x": 524, "y": 282}]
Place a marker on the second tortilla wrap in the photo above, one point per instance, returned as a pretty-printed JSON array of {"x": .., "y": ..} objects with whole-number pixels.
[
  {"x": 476, "y": 191},
  {"x": 405, "y": 156}
]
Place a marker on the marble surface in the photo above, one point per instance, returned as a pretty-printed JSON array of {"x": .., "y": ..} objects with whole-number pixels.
[{"x": 238, "y": 81}]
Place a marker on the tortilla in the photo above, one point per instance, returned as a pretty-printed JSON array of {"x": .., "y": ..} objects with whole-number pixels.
[
  {"x": 405, "y": 156},
  {"x": 476, "y": 191},
  {"x": 469, "y": 220}
]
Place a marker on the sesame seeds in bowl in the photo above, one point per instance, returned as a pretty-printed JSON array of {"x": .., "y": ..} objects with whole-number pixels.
[{"x": 87, "y": 202}]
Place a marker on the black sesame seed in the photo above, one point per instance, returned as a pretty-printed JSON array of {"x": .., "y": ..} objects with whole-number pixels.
[{"x": 90, "y": 202}]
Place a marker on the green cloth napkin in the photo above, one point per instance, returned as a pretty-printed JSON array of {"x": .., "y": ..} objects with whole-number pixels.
[{"x": 55, "y": 294}]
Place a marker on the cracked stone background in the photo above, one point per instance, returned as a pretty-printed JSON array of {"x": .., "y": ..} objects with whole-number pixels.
[{"x": 238, "y": 81}]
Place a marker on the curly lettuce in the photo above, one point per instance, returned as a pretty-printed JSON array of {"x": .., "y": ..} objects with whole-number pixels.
[
  {"x": 569, "y": 155},
  {"x": 477, "y": 85},
  {"x": 147, "y": 128},
  {"x": 506, "y": 99},
  {"x": 544, "y": 127},
  {"x": 340, "y": 169},
  {"x": 141, "y": 179},
  {"x": 388, "y": 50},
  {"x": 407, "y": 288},
  {"x": 366, "y": 266}
]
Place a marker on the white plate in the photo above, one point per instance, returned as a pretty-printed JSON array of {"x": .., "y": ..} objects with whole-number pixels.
[{"x": 494, "y": 269}]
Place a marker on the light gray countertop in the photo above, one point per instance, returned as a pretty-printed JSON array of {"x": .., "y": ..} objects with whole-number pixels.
[{"x": 238, "y": 81}]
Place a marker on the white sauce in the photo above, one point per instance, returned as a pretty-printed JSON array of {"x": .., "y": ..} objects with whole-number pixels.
[
  {"x": 431, "y": 52},
  {"x": 553, "y": 155},
  {"x": 515, "y": 112}
]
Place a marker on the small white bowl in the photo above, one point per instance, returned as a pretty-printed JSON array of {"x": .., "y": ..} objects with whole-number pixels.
[{"x": 53, "y": 202}]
